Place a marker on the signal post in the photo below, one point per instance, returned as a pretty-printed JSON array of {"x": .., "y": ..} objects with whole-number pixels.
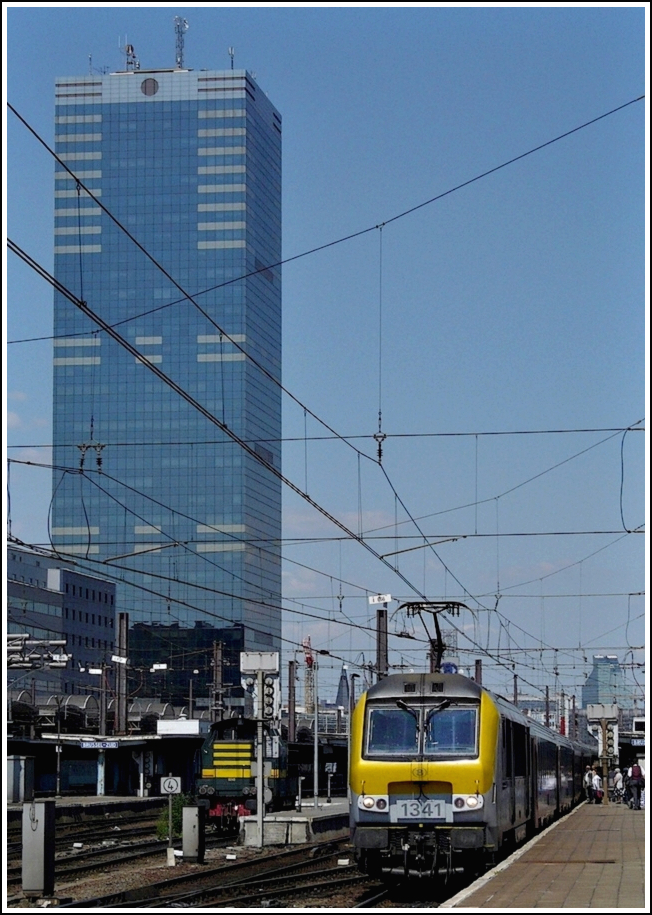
[{"x": 265, "y": 665}]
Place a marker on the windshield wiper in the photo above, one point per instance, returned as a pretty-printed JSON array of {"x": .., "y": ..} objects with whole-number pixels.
[
  {"x": 435, "y": 711},
  {"x": 406, "y": 708}
]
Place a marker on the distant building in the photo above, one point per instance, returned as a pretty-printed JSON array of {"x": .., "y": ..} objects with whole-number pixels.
[
  {"x": 189, "y": 162},
  {"x": 49, "y": 599},
  {"x": 165, "y": 659},
  {"x": 606, "y": 685}
]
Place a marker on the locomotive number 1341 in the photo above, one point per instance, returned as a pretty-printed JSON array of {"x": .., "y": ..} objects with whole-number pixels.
[{"x": 420, "y": 809}]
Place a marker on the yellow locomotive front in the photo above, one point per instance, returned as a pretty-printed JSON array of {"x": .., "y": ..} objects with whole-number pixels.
[{"x": 422, "y": 775}]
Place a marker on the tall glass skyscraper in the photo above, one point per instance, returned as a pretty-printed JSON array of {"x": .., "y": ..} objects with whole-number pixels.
[{"x": 189, "y": 162}]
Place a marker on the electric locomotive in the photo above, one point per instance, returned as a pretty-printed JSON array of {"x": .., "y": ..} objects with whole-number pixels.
[
  {"x": 444, "y": 774},
  {"x": 226, "y": 775}
]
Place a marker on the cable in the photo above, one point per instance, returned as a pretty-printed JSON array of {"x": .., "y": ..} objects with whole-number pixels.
[
  {"x": 330, "y": 438},
  {"x": 303, "y": 495}
]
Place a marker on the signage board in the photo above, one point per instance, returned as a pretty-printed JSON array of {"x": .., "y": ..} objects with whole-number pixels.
[
  {"x": 380, "y": 599},
  {"x": 599, "y": 711},
  {"x": 99, "y": 744},
  {"x": 253, "y": 661},
  {"x": 170, "y": 784}
]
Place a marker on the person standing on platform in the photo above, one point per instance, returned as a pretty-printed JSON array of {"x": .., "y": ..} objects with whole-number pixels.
[
  {"x": 588, "y": 785},
  {"x": 636, "y": 782},
  {"x": 597, "y": 787}
]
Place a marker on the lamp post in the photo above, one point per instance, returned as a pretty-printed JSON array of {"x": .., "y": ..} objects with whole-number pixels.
[{"x": 57, "y": 790}]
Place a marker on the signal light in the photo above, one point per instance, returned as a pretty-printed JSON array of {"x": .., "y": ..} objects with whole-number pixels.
[{"x": 271, "y": 697}]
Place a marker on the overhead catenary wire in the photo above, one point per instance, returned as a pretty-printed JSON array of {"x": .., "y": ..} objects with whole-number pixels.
[{"x": 432, "y": 199}]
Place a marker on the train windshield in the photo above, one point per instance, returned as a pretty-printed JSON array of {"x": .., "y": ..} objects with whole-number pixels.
[
  {"x": 450, "y": 732},
  {"x": 443, "y": 731},
  {"x": 392, "y": 732}
]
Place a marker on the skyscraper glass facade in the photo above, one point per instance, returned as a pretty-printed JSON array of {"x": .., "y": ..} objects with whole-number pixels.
[
  {"x": 605, "y": 685},
  {"x": 189, "y": 162}
]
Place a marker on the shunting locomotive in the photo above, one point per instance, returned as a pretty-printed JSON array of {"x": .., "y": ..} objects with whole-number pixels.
[
  {"x": 226, "y": 775},
  {"x": 443, "y": 774}
]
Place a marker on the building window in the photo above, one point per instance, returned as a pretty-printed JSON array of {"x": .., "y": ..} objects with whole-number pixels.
[
  {"x": 149, "y": 87},
  {"x": 67, "y": 587},
  {"x": 87, "y": 617}
]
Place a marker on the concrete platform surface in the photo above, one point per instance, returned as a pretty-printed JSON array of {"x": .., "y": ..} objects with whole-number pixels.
[
  {"x": 296, "y": 827},
  {"x": 595, "y": 858}
]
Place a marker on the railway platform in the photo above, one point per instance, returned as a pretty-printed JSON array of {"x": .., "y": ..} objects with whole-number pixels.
[
  {"x": 81, "y": 809},
  {"x": 594, "y": 858},
  {"x": 296, "y": 827}
]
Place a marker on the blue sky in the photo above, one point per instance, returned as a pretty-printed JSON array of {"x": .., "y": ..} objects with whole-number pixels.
[{"x": 512, "y": 305}]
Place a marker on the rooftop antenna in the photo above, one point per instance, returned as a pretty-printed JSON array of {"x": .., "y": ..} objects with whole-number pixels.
[
  {"x": 91, "y": 69},
  {"x": 131, "y": 62},
  {"x": 180, "y": 27},
  {"x": 232, "y": 55}
]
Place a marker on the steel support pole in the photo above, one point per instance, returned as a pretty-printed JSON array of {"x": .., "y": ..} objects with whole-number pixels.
[
  {"x": 315, "y": 777},
  {"x": 260, "y": 759}
]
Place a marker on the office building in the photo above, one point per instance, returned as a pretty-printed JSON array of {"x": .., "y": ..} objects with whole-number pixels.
[
  {"x": 189, "y": 162},
  {"x": 52, "y": 601},
  {"x": 605, "y": 685},
  {"x": 198, "y": 666}
]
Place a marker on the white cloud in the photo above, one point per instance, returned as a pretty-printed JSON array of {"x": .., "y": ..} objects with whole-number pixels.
[
  {"x": 17, "y": 395},
  {"x": 13, "y": 420}
]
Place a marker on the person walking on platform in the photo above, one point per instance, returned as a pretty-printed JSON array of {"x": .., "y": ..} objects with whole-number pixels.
[
  {"x": 588, "y": 785},
  {"x": 618, "y": 786},
  {"x": 597, "y": 787},
  {"x": 636, "y": 782}
]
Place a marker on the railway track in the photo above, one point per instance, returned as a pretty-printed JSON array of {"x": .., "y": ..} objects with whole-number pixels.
[
  {"x": 207, "y": 884},
  {"x": 71, "y": 867},
  {"x": 89, "y": 836}
]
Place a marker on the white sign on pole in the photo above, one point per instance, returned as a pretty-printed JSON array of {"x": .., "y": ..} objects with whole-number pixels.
[
  {"x": 380, "y": 599},
  {"x": 117, "y": 659},
  {"x": 253, "y": 661},
  {"x": 599, "y": 711},
  {"x": 170, "y": 784}
]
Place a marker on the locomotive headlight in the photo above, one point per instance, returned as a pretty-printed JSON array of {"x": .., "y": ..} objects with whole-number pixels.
[
  {"x": 376, "y": 802},
  {"x": 467, "y": 802}
]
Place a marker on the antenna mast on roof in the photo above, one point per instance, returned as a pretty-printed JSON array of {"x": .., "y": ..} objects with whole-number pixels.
[
  {"x": 132, "y": 62},
  {"x": 180, "y": 27}
]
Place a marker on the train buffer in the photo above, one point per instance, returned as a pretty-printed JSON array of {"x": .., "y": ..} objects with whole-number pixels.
[{"x": 593, "y": 858}]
